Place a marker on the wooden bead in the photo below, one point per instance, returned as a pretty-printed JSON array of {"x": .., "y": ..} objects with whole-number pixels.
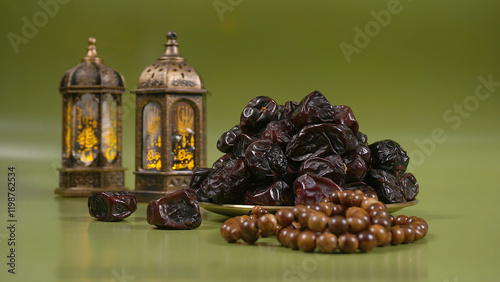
[
  {"x": 267, "y": 224},
  {"x": 409, "y": 234},
  {"x": 338, "y": 225},
  {"x": 291, "y": 239},
  {"x": 367, "y": 241},
  {"x": 356, "y": 224},
  {"x": 398, "y": 235},
  {"x": 326, "y": 243},
  {"x": 348, "y": 243},
  {"x": 307, "y": 241},
  {"x": 317, "y": 222},
  {"x": 284, "y": 217},
  {"x": 380, "y": 234}
]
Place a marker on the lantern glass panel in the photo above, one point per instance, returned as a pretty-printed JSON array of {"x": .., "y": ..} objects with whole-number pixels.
[
  {"x": 109, "y": 128},
  {"x": 86, "y": 141},
  {"x": 183, "y": 136},
  {"x": 67, "y": 129},
  {"x": 151, "y": 137}
]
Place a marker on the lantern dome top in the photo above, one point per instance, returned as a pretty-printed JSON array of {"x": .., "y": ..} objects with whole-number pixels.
[
  {"x": 170, "y": 73},
  {"x": 92, "y": 74}
]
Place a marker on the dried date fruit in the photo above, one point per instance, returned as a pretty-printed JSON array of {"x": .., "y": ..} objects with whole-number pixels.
[
  {"x": 314, "y": 108},
  {"x": 278, "y": 193},
  {"x": 364, "y": 152},
  {"x": 279, "y": 132},
  {"x": 409, "y": 185},
  {"x": 320, "y": 140},
  {"x": 177, "y": 210},
  {"x": 331, "y": 167},
  {"x": 290, "y": 175},
  {"x": 362, "y": 138},
  {"x": 288, "y": 109},
  {"x": 226, "y": 141},
  {"x": 356, "y": 168},
  {"x": 241, "y": 143},
  {"x": 344, "y": 115},
  {"x": 111, "y": 206},
  {"x": 312, "y": 189},
  {"x": 388, "y": 155},
  {"x": 228, "y": 183},
  {"x": 258, "y": 113},
  {"x": 218, "y": 163},
  {"x": 387, "y": 186},
  {"x": 265, "y": 160},
  {"x": 199, "y": 176}
]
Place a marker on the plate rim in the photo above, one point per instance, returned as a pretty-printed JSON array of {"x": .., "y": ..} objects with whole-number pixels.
[{"x": 234, "y": 208}]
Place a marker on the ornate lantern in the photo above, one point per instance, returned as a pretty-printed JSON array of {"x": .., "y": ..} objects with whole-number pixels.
[
  {"x": 92, "y": 128},
  {"x": 170, "y": 125}
]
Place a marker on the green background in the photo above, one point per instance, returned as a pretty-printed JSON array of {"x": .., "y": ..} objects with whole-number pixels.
[{"x": 415, "y": 80}]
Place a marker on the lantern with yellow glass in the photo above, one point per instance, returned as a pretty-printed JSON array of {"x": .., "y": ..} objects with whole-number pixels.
[
  {"x": 170, "y": 125},
  {"x": 92, "y": 128}
]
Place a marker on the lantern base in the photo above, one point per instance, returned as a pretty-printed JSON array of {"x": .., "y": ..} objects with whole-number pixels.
[
  {"x": 84, "y": 191},
  {"x": 154, "y": 185},
  {"x": 148, "y": 196},
  {"x": 80, "y": 182}
]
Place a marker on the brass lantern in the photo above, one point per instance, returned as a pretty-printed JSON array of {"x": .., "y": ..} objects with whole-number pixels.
[
  {"x": 170, "y": 125},
  {"x": 92, "y": 128}
]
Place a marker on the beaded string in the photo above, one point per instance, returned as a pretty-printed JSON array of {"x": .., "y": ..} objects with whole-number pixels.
[{"x": 345, "y": 221}]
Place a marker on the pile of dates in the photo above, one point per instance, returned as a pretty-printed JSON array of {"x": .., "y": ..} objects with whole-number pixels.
[{"x": 299, "y": 153}]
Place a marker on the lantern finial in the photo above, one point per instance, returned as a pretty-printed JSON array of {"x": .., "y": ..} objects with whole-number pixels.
[
  {"x": 171, "y": 48},
  {"x": 92, "y": 52}
]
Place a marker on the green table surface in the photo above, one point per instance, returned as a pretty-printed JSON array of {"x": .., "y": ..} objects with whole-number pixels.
[{"x": 56, "y": 239}]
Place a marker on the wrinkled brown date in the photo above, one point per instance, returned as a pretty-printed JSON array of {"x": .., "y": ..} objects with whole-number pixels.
[
  {"x": 199, "y": 176},
  {"x": 362, "y": 138},
  {"x": 227, "y": 184},
  {"x": 218, "y": 163},
  {"x": 288, "y": 109},
  {"x": 314, "y": 108},
  {"x": 344, "y": 115},
  {"x": 409, "y": 185},
  {"x": 177, "y": 210},
  {"x": 258, "y": 113},
  {"x": 386, "y": 185},
  {"x": 356, "y": 168},
  {"x": 310, "y": 189},
  {"x": 241, "y": 143},
  {"x": 226, "y": 141},
  {"x": 276, "y": 194},
  {"x": 331, "y": 167},
  {"x": 265, "y": 160},
  {"x": 111, "y": 206},
  {"x": 279, "y": 132},
  {"x": 388, "y": 155},
  {"x": 319, "y": 140}
]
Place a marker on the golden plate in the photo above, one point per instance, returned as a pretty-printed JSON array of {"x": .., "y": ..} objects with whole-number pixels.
[{"x": 235, "y": 210}]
